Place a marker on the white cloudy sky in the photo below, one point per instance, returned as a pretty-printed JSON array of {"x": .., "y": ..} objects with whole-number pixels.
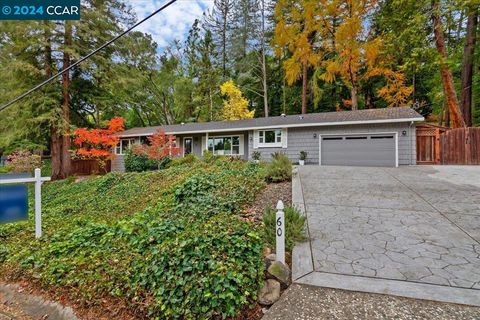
[{"x": 172, "y": 23}]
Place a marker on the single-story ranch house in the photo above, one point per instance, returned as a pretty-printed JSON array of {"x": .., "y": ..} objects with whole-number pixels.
[{"x": 373, "y": 137}]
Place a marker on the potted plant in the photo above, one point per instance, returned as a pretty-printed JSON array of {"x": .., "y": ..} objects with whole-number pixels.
[
  {"x": 303, "y": 157},
  {"x": 256, "y": 155}
]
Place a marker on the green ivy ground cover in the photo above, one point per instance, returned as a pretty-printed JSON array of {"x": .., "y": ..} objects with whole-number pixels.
[{"x": 167, "y": 242}]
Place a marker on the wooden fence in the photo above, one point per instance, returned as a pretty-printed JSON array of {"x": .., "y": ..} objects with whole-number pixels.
[
  {"x": 460, "y": 146},
  {"x": 428, "y": 144},
  {"x": 88, "y": 167}
]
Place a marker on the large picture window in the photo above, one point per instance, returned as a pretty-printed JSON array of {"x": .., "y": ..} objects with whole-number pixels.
[
  {"x": 270, "y": 138},
  {"x": 224, "y": 145}
]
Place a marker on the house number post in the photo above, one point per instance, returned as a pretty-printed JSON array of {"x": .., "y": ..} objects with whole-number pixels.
[{"x": 280, "y": 232}]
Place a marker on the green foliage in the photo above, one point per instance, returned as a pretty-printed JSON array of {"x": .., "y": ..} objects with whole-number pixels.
[
  {"x": 138, "y": 163},
  {"x": 303, "y": 155},
  {"x": 209, "y": 157},
  {"x": 188, "y": 159},
  {"x": 46, "y": 168},
  {"x": 279, "y": 169},
  {"x": 164, "y": 241},
  {"x": 256, "y": 155},
  {"x": 294, "y": 227},
  {"x": 5, "y": 169}
]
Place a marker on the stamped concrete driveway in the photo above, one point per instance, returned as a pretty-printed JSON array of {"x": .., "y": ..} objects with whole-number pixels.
[{"x": 412, "y": 231}]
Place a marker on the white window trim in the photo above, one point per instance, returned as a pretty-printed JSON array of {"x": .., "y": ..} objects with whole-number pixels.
[
  {"x": 122, "y": 152},
  {"x": 183, "y": 145},
  {"x": 240, "y": 145},
  {"x": 271, "y": 144},
  {"x": 395, "y": 133}
]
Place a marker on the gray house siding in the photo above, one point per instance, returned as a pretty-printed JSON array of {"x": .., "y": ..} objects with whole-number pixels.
[
  {"x": 118, "y": 164},
  {"x": 299, "y": 139}
]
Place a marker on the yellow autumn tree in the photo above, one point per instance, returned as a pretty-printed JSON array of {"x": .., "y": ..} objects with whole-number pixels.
[
  {"x": 354, "y": 55},
  {"x": 235, "y": 106},
  {"x": 295, "y": 32}
]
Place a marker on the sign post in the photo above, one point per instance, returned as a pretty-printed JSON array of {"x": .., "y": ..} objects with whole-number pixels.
[
  {"x": 38, "y": 203},
  {"x": 38, "y": 180},
  {"x": 280, "y": 232}
]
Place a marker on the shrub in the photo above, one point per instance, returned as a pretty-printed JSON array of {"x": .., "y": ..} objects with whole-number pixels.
[
  {"x": 4, "y": 170},
  {"x": 279, "y": 169},
  {"x": 138, "y": 163},
  {"x": 294, "y": 227},
  {"x": 209, "y": 157},
  {"x": 23, "y": 161},
  {"x": 303, "y": 155},
  {"x": 256, "y": 155},
  {"x": 188, "y": 159}
]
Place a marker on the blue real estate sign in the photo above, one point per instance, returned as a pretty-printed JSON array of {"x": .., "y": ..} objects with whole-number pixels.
[{"x": 13, "y": 203}]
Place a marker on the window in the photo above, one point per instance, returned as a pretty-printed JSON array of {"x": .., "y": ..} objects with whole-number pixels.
[
  {"x": 224, "y": 145},
  {"x": 270, "y": 138},
  {"x": 333, "y": 138},
  {"x": 123, "y": 146}
]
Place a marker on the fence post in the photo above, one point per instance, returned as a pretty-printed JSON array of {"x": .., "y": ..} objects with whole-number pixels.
[
  {"x": 280, "y": 232},
  {"x": 38, "y": 203}
]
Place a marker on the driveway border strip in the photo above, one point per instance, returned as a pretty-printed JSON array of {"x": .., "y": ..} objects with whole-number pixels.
[
  {"x": 393, "y": 287},
  {"x": 302, "y": 252}
]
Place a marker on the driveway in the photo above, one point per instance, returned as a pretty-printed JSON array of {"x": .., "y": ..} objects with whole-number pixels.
[{"x": 410, "y": 231}]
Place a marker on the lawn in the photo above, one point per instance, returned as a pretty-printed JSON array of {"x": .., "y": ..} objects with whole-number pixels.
[{"x": 166, "y": 244}]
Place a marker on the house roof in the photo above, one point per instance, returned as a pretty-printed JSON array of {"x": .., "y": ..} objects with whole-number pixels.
[{"x": 368, "y": 116}]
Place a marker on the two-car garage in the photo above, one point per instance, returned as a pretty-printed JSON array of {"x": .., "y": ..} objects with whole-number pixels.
[{"x": 376, "y": 150}]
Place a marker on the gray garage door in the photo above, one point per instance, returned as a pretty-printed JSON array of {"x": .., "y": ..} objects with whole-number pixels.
[{"x": 358, "y": 150}]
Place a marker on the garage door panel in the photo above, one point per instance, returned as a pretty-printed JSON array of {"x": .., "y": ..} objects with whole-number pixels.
[{"x": 361, "y": 150}]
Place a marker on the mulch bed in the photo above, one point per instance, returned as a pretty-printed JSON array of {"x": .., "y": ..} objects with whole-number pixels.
[{"x": 269, "y": 197}]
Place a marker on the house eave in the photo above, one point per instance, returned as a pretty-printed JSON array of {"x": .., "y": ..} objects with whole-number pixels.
[{"x": 296, "y": 125}]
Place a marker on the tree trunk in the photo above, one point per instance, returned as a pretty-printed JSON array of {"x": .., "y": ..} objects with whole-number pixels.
[
  {"x": 66, "y": 143},
  {"x": 224, "y": 43},
  {"x": 304, "y": 89},
  {"x": 446, "y": 74},
  {"x": 55, "y": 138},
  {"x": 354, "y": 95},
  {"x": 264, "y": 65},
  {"x": 210, "y": 106},
  {"x": 467, "y": 70}
]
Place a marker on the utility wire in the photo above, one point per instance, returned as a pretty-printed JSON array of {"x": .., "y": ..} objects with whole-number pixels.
[{"x": 86, "y": 57}]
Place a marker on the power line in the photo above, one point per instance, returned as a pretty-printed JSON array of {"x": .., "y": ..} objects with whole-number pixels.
[{"x": 86, "y": 57}]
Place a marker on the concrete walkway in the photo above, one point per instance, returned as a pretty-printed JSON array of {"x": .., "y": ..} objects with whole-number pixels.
[
  {"x": 313, "y": 303},
  {"x": 408, "y": 231},
  {"x": 30, "y": 306}
]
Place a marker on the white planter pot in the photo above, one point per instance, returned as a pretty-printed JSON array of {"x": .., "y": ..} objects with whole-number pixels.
[{"x": 301, "y": 162}]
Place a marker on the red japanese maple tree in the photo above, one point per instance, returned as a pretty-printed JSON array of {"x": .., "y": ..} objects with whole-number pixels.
[
  {"x": 97, "y": 144},
  {"x": 160, "y": 146}
]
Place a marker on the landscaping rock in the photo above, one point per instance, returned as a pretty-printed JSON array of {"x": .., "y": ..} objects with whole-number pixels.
[
  {"x": 269, "y": 259},
  {"x": 269, "y": 293},
  {"x": 280, "y": 272},
  {"x": 272, "y": 257}
]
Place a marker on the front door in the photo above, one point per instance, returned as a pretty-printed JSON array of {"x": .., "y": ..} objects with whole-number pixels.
[{"x": 187, "y": 146}]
